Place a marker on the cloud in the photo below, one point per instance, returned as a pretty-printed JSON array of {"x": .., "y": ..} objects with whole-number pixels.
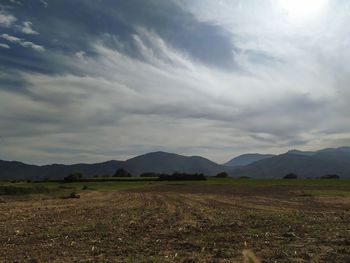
[
  {"x": 187, "y": 33},
  {"x": 26, "y": 28},
  {"x": 198, "y": 77},
  {"x": 17, "y": 2},
  {"x": 6, "y": 19},
  {"x": 2, "y": 45},
  {"x": 23, "y": 43},
  {"x": 151, "y": 102},
  {"x": 80, "y": 54},
  {"x": 44, "y": 3}
]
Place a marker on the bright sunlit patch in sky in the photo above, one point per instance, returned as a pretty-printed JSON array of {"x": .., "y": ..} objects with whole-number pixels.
[{"x": 303, "y": 9}]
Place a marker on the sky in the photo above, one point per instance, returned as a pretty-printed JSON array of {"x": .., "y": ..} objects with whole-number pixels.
[{"x": 95, "y": 80}]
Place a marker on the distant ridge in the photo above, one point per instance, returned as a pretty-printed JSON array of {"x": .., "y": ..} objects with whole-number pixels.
[
  {"x": 305, "y": 164},
  {"x": 160, "y": 162},
  {"x": 246, "y": 159},
  {"x": 163, "y": 162}
]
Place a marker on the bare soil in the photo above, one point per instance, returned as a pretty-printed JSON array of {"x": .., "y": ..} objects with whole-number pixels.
[{"x": 178, "y": 223}]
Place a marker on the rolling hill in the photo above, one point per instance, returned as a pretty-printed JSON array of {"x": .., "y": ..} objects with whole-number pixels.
[
  {"x": 305, "y": 165},
  {"x": 246, "y": 159},
  {"x": 160, "y": 162}
]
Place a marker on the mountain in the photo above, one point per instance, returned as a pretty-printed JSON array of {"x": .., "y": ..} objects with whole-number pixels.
[
  {"x": 328, "y": 151},
  {"x": 17, "y": 170},
  {"x": 160, "y": 162},
  {"x": 305, "y": 164},
  {"x": 317, "y": 164},
  {"x": 297, "y": 152},
  {"x": 10, "y": 170},
  {"x": 246, "y": 159}
]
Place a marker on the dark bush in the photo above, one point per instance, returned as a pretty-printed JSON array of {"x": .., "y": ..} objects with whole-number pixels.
[
  {"x": 122, "y": 173},
  {"x": 74, "y": 195},
  {"x": 15, "y": 181},
  {"x": 66, "y": 187},
  {"x": 330, "y": 176},
  {"x": 149, "y": 174},
  {"x": 291, "y": 176},
  {"x": 73, "y": 177},
  {"x": 181, "y": 176},
  {"x": 222, "y": 175}
]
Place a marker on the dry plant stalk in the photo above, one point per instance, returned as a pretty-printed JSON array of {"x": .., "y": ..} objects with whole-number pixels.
[{"x": 249, "y": 257}]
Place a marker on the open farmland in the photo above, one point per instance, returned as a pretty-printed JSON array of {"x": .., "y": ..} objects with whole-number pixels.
[{"x": 209, "y": 221}]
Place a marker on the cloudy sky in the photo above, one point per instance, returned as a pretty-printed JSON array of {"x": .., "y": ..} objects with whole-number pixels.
[{"x": 93, "y": 80}]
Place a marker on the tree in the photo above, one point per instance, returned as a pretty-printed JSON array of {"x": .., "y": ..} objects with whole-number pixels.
[
  {"x": 122, "y": 173},
  {"x": 149, "y": 174},
  {"x": 177, "y": 176},
  {"x": 222, "y": 175},
  {"x": 291, "y": 176},
  {"x": 330, "y": 176},
  {"x": 73, "y": 177}
]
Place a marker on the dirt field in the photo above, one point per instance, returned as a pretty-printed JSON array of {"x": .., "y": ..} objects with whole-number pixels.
[{"x": 178, "y": 223}]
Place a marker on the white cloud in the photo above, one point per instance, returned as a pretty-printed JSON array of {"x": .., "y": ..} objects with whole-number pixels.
[
  {"x": 44, "y": 3},
  {"x": 17, "y": 2},
  {"x": 26, "y": 28},
  {"x": 291, "y": 91},
  {"x": 80, "y": 54},
  {"x": 6, "y": 19},
  {"x": 23, "y": 42},
  {"x": 2, "y": 45},
  {"x": 172, "y": 103}
]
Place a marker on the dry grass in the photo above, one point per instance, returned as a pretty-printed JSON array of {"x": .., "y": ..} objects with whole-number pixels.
[{"x": 178, "y": 224}]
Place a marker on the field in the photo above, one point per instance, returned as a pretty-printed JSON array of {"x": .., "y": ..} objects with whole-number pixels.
[{"x": 204, "y": 221}]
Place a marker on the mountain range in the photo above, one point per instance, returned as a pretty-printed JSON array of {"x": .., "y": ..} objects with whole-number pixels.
[
  {"x": 158, "y": 162},
  {"x": 246, "y": 159},
  {"x": 305, "y": 164}
]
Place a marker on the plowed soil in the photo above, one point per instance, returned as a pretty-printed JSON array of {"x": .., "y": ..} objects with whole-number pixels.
[{"x": 178, "y": 223}]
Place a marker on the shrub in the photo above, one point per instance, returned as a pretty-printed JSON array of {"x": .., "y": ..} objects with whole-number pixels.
[
  {"x": 73, "y": 177},
  {"x": 122, "y": 173},
  {"x": 181, "y": 176},
  {"x": 222, "y": 175},
  {"x": 330, "y": 176},
  {"x": 74, "y": 195},
  {"x": 15, "y": 181},
  {"x": 149, "y": 174},
  {"x": 290, "y": 176},
  {"x": 66, "y": 187}
]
